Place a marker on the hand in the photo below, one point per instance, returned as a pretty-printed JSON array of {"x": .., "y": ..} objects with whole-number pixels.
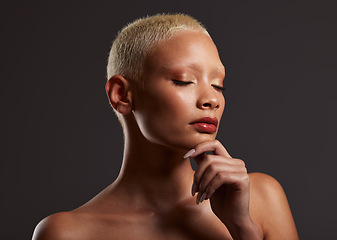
[{"x": 223, "y": 180}]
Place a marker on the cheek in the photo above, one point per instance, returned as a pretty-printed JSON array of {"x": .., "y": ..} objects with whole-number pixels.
[
  {"x": 166, "y": 110},
  {"x": 163, "y": 116},
  {"x": 222, "y": 104},
  {"x": 174, "y": 104}
]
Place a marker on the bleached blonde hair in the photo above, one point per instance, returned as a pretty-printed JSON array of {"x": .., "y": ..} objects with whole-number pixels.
[{"x": 134, "y": 42}]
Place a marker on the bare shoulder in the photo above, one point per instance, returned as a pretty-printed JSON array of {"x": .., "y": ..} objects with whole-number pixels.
[
  {"x": 90, "y": 221},
  {"x": 265, "y": 184},
  {"x": 59, "y": 226},
  {"x": 269, "y": 207}
]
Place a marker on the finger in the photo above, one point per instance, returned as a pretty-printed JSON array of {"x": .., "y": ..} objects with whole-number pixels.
[
  {"x": 203, "y": 163},
  {"x": 205, "y": 160},
  {"x": 209, "y": 146},
  {"x": 231, "y": 161},
  {"x": 236, "y": 181},
  {"x": 212, "y": 164},
  {"x": 213, "y": 170}
]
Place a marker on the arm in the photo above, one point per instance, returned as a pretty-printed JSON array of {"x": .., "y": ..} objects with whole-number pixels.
[{"x": 270, "y": 206}]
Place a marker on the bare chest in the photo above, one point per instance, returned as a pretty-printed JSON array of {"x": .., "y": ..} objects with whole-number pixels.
[{"x": 153, "y": 227}]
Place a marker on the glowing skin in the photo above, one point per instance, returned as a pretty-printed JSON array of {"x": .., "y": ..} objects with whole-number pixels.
[
  {"x": 183, "y": 84},
  {"x": 157, "y": 195}
]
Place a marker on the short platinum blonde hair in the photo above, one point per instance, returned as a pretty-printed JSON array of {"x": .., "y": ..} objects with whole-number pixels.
[{"x": 136, "y": 40}]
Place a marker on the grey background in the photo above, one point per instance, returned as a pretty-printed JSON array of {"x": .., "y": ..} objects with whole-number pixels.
[{"x": 61, "y": 143}]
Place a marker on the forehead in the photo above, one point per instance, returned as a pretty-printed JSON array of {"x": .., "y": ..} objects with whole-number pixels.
[{"x": 186, "y": 50}]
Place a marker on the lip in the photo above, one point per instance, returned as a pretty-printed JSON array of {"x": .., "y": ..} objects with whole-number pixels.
[{"x": 205, "y": 125}]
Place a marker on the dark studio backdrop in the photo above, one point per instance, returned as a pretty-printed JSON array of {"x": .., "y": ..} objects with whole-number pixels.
[{"x": 61, "y": 143}]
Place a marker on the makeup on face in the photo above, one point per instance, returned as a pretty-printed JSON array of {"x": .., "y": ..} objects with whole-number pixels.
[
  {"x": 182, "y": 101},
  {"x": 205, "y": 125}
]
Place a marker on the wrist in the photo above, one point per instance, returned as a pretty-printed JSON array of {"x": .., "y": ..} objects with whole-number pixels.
[{"x": 245, "y": 230}]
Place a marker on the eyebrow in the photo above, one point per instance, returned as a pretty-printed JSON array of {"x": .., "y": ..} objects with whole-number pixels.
[{"x": 192, "y": 66}]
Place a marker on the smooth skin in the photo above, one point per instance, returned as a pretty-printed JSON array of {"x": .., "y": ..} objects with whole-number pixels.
[{"x": 157, "y": 195}]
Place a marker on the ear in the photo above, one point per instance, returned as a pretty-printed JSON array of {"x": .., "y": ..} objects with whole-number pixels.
[{"x": 119, "y": 94}]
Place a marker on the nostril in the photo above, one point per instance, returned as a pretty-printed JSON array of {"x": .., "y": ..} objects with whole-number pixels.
[{"x": 206, "y": 105}]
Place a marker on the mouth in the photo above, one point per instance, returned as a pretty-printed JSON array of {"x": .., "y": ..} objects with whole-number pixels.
[{"x": 205, "y": 125}]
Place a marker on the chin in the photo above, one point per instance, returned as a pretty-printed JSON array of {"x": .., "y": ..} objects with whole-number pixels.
[
  {"x": 182, "y": 141},
  {"x": 203, "y": 137},
  {"x": 189, "y": 143}
]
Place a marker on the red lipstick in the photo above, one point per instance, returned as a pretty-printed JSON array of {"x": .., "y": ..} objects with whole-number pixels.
[{"x": 205, "y": 125}]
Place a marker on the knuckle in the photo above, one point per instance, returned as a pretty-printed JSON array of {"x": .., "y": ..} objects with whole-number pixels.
[
  {"x": 208, "y": 159},
  {"x": 245, "y": 179},
  {"x": 217, "y": 143},
  {"x": 221, "y": 176},
  {"x": 212, "y": 168},
  {"x": 200, "y": 187},
  {"x": 241, "y": 162}
]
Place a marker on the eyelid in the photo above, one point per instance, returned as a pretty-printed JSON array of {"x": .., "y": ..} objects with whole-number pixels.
[
  {"x": 184, "y": 83},
  {"x": 219, "y": 87},
  {"x": 180, "y": 82}
]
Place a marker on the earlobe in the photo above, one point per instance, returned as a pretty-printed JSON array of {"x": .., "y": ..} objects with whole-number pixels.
[{"x": 119, "y": 94}]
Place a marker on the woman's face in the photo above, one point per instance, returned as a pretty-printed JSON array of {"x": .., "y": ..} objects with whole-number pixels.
[{"x": 181, "y": 103}]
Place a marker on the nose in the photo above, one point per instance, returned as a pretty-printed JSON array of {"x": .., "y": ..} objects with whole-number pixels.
[{"x": 208, "y": 99}]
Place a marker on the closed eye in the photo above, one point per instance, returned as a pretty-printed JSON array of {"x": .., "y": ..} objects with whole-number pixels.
[
  {"x": 219, "y": 87},
  {"x": 181, "y": 83}
]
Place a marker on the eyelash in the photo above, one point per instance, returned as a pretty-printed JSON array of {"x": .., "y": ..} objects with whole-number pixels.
[
  {"x": 219, "y": 87},
  {"x": 182, "y": 83}
]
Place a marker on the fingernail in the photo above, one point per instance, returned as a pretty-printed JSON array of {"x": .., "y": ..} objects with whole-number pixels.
[
  {"x": 189, "y": 153},
  {"x": 203, "y": 196},
  {"x": 194, "y": 189}
]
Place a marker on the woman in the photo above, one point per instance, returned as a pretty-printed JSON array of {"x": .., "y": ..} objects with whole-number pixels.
[{"x": 165, "y": 82}]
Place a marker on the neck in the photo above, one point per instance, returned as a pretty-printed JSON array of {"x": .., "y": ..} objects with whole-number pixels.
[{"x": 154, "y": 174}]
